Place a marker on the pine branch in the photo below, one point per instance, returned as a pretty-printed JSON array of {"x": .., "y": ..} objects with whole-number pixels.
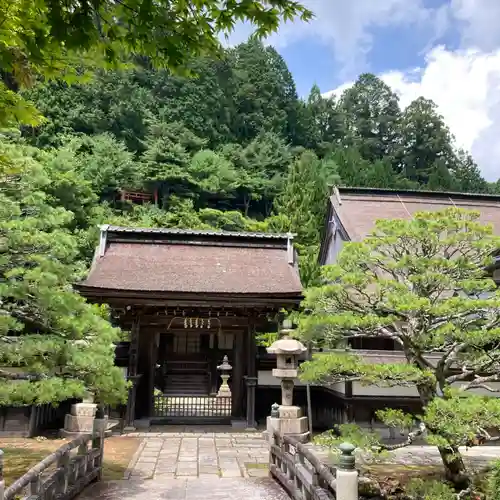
[
  {"x": 481, "y": 383},
  {"x": 22, "y": 376},
  {"x": 409, "y": 440}
]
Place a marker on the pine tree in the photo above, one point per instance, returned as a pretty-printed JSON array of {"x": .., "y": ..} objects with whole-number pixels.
[
  {"x": 426, "y": 144},
  {"x": 302, "y": 207},
  {"x": 53, "y": 345},
  {"x": 371, "y": 113},
  {"x": 420, "y": 283}
]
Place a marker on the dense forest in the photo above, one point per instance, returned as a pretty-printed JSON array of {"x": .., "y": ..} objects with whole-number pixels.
[
  {"x": 226, "y": 143},
  {"x": 229, "y": 145}
]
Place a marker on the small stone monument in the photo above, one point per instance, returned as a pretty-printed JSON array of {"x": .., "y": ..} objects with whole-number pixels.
[
  {"x": 81, "y": 418},
  {"x": 225, "y": 372},
  {"x": 287, "y": 419}
]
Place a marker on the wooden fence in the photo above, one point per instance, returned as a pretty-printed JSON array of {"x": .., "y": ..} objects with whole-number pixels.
[
  {"x": 63, "y": 474},
  {"x": 30, "y": 421},
  {"x": 305, "y": 477}
]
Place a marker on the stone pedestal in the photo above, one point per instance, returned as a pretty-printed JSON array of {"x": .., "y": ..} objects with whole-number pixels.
[
  {"x": 224, "y": 390},
  {"x": 289, "y": 422},
  {"x": 142, "y": 424},
  {"x": 80, "y": 420}
]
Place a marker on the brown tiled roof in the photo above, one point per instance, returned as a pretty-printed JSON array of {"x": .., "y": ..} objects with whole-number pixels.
[
  {"x": 197, "y": 268},
  {"x": 358, "y": 209}
]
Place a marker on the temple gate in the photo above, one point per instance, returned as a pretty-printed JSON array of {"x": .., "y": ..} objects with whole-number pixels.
[{"x": 189, "y": 299}]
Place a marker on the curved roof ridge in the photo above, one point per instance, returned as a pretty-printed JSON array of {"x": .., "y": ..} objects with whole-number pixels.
[{"x": 200, "y": 232}]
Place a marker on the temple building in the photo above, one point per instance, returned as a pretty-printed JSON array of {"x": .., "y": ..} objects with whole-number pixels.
[{"x": 193, "y": 302}]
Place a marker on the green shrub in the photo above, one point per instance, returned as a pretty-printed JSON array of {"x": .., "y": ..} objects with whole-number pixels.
[
  {"x": 430, "y": 490},
  {"x": 494, "y": 482}
]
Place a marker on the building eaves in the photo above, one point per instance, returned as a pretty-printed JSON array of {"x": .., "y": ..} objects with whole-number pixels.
[{"x": 199, "y": 232}]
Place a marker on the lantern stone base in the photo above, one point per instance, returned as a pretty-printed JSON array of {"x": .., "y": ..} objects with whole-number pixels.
[
  {"x": 224, "y": 391},
  {"x": 80, "y": 420},
  {"x": 289, "y": 423}
]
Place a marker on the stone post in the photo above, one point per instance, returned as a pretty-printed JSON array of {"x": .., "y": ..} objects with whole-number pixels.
[
  {"x": 347, "y": 475},
  {"x": 275, "y": 410},
  {"x": 98, "y": 435},
  {"x": 2, "y": 481},
  {"x": 225, "y": 372},
  {"x": 81, "y": 418}
]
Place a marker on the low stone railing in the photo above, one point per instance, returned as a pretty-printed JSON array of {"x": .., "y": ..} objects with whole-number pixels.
[
  {"x": 72, "y": 473},
  {"x": 305, "y": 477}
]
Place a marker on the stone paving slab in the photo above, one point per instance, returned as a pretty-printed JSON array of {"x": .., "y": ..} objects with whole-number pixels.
[
  {"x": 205, "y": 488},
  {"x": 191, "y": 455}
]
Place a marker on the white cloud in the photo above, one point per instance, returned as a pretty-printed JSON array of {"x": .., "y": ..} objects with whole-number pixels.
[
  {"x": 478, "y": 22},
  {"x": 465, "y": 85},
  {"x": 345, "y": 26}
]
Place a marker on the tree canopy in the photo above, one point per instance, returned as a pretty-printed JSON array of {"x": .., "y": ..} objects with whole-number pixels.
[
  {"x": 226, "y": 143},
  {"x": 60, "y": 346},
  {"x": 422, "y": 284},
  {"x": 57, "y": 39}
]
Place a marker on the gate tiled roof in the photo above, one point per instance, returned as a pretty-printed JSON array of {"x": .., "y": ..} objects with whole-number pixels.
[{"x": 162, "y": 260}]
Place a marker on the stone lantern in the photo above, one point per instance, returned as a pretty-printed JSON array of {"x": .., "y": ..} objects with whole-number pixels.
[
  {"x": 225, "y": 372},
  {"x": 289, "y": 420}
]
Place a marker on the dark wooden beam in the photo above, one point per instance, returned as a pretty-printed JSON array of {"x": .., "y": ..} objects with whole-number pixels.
[
  {"x": 154, "y": 329},
  {"x": 178, "y": 321},
  {"x": 237, "y": 377},
  {"x": 121, "y": 298}
]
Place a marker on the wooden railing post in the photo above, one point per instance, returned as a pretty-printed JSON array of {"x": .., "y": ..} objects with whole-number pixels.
[
  {"x": 64, "y": 479},
  {"x": 34, "y": 486},
  {"x": 71, "y": 475},
  {"x": 100, "y": 424},
  {"x": 2, "y": 481},
  {"x": 347, "y": 475}
]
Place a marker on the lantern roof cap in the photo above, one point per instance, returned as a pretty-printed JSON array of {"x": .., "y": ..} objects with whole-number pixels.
[{"x": 287, "y": 346}]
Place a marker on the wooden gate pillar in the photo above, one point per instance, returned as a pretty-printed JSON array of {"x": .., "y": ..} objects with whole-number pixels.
[
  {"x": 132, "y": 376},
  {"x": 251, "y": 377},
  {"x": 237, "y": 377}
]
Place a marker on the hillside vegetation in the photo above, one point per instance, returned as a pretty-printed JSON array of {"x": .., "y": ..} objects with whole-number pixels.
[
  {"x": 227, "y": 145},
  {"x": 230, "y": 146}
]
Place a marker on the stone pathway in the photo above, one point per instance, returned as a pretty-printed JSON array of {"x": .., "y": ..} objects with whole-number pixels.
[
  {"x": 212, "y": 488},
  {"x": 194, "y": 466},
  {"x": 179, "y": 455}
]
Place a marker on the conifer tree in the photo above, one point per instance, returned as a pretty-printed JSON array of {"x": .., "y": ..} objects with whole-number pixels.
[
  {"x": 422, "y": 284},
  {"x": 53, "y": 345}
]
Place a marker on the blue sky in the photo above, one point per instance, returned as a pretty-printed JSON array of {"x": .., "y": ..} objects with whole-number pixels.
[
  {"x": 400, "y": 45},
  {"x": 446, "y": 50}
]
